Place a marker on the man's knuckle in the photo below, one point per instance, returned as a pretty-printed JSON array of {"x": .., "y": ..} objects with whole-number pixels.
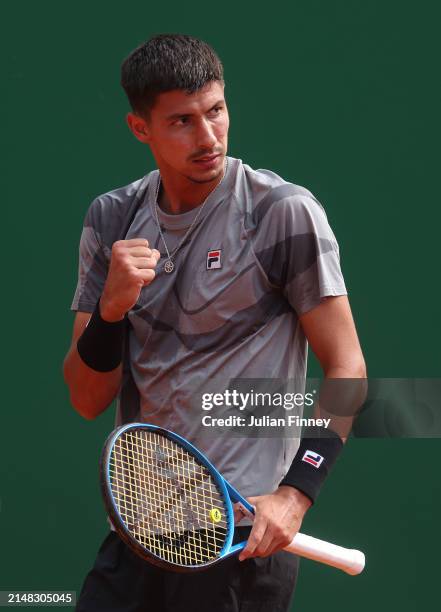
[
  {"x": 285, "y": 543},
  {"x": 285, "y": 539},
  {"x": 126, "y": 266},
  {"x": 132, "y": 274}
]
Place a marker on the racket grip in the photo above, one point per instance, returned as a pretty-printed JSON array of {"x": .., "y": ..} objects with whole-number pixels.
[{"x": 350, "y": 561}]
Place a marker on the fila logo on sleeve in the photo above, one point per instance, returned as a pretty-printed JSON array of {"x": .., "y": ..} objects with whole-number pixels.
[
  {"x": 214, "y": 259},
  {"x": 313, "y": 458}
]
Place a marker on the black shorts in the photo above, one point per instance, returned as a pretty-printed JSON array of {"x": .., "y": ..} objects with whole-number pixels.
[{"x": 120, "y": 581}]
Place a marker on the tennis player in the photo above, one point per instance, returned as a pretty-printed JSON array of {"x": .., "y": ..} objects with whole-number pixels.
[{"x": 205, "y": 269}]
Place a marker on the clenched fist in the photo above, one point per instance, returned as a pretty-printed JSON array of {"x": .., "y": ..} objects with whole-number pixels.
[{"x": 132, "y": 267}]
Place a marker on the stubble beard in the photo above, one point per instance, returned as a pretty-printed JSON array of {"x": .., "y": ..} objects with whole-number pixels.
[{"x": 219, "y": 175}]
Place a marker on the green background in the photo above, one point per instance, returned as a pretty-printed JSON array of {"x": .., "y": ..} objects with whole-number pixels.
[{"x": 342, "y": 97}]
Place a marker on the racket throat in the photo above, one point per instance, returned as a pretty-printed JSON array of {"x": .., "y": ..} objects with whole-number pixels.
[{"x": 235, "y": 549}]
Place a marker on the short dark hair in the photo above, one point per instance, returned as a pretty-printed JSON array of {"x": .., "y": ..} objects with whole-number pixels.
[{"x": 167, "y": 62}]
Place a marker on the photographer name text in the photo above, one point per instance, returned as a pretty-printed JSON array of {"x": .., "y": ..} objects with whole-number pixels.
[{"x": 263, "y": 421}]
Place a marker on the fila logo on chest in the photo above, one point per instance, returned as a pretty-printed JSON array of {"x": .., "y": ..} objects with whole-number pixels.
[{"x": 214, "y": 259}]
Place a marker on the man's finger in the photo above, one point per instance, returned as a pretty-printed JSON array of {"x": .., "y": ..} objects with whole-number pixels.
[
  {"x": 140, "y": 251},
  {"x": 256, "y": 535},
  {"x": 146, "y": 276},
  {"x": 266, "y": 545},
  {"x": 238, "y": 514},
  {"x": 134, "y": 242},
  {"x": 144, "y": 262}
]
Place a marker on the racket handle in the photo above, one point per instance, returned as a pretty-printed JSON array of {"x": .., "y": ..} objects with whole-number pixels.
[{"x": 350, "y": 561}]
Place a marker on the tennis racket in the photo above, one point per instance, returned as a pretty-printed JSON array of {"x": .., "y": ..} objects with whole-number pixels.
[{"x": 172, "y": 507}]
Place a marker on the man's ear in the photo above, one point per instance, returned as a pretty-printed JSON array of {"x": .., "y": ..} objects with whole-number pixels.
[{"x": 139, "y": 127}]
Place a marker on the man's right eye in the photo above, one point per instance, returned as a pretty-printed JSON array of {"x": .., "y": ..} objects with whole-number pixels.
[{"x": 181, "y": 120}]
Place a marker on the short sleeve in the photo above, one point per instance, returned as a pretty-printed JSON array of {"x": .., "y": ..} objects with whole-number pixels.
[
  {"x": 92, "y": 267},
  {"x": 299, "y": 253}
]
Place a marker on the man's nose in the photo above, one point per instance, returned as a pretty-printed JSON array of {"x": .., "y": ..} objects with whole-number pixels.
[{"x": 206, "y": 138}]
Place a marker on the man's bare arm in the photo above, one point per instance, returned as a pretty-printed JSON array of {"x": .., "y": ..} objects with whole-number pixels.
[
  {"x": 91, "y": 392},
  {"x": 331, "y": 333},
  {"x": 132, "y": 267},
  {"x": 332, "y": 336}
]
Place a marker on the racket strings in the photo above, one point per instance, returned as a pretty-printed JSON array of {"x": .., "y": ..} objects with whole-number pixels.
[{"x": 168, "y": 501}]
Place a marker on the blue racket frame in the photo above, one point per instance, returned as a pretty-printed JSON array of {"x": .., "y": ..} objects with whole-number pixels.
[{"x": 229, "y": 493}]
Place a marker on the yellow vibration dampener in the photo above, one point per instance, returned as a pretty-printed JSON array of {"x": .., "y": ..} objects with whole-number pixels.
[{"x": 215, "y": 515}]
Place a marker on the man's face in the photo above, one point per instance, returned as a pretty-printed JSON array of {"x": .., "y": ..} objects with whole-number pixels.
[{"x": 188, "y": 133}]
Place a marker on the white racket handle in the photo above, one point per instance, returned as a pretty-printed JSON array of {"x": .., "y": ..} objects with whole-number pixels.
[{"x": 349, "y": 560}]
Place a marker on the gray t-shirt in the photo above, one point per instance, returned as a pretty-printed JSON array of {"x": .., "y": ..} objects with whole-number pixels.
[{"x": 260, "y": 254}]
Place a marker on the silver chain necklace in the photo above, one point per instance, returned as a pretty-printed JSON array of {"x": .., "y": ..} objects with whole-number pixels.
[{"x": 169, "y": 265}]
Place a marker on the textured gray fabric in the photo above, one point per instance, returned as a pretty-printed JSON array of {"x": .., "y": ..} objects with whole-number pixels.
[{"x": 279, "y": 259}]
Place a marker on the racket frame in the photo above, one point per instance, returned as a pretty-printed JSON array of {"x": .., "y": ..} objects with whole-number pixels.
[{"x": 228, "y": 493}]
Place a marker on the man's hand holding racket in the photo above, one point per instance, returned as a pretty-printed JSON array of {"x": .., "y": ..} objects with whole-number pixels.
[
  {"x": 277, "y": 520},
  {"x": 132, "y": 267}
]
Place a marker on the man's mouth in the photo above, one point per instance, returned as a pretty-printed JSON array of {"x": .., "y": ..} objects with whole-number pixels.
[
  {"x": 207, "y": 158},
  {"x": 208, "y": 161}
]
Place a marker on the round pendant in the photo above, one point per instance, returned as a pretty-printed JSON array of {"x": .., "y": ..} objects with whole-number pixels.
[{"x": 169, "y": 266}]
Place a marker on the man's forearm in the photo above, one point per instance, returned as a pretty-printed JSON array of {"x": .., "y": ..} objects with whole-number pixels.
[
  {"x": 341, "y": 395},
  {"x": 91, "y": 392}
]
